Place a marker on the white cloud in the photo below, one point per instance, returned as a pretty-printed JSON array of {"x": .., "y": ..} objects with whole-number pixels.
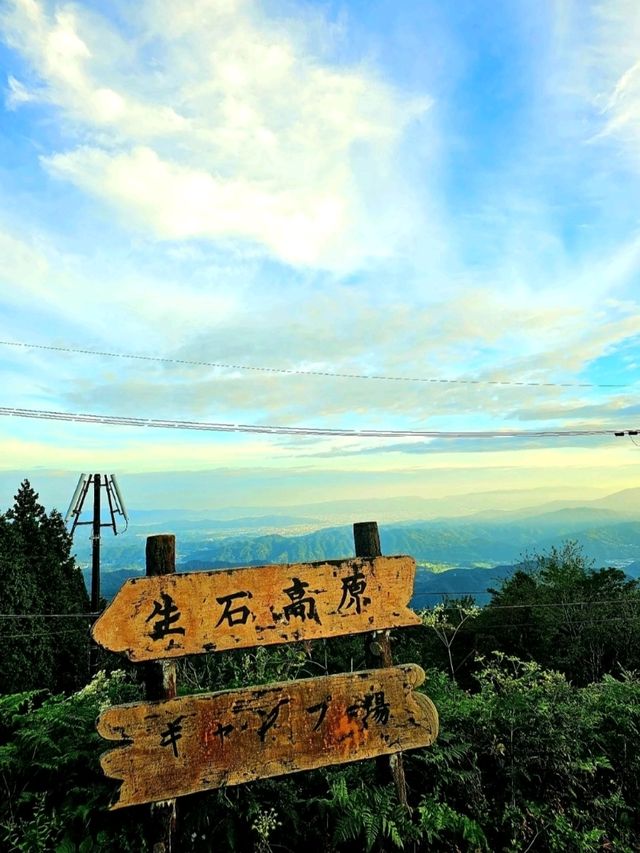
[
  {"x": 22, "y": 263},
  {"x": 17, "y": 94},
  {"x": 486, "y": 339},
  {"x": 205, "y": 123},
  {"x": 180, "y": 202},
  {"x": 78, "y": 298},
  {"x": 210, "y": 121},
  {"x": 614, "y": 71}
]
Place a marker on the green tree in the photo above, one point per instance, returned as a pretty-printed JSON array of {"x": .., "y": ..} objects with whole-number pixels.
[
  {"x": 26, "y": 650},
  {"x": 38, "y": 578},
  {"x": 560, "y": 611}
]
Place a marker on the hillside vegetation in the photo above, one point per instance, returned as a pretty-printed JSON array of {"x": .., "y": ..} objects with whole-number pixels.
[{"x": 538, "y": 696}]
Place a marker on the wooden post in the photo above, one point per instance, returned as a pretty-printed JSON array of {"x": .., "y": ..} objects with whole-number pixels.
[
  {"x": 378, "y": 655},
  {"x": 160, "y": 683}
]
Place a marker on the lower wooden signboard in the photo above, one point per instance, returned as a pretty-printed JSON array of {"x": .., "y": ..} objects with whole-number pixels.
[{"x": 196, "y": 743}]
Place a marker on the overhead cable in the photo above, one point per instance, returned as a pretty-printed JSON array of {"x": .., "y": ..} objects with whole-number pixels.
[
  {"x": 51, "y": 615},
  {"x": 205, "y": 426},
  {"x": 304, "y": 372},
  {"x": 49, "y": 633},
  {"x": 452, "y": 605},
  {"x": 491, "y": 629},
  {"x": 516, "y": 626}
]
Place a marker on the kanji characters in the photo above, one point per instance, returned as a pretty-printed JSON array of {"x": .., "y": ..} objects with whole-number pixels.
[
  {"x": 233, "y": 615},
  {"x": 373, "y": 705},
  {"x": 353, "y": 587},
  {"x": 301, "y": 606},
  {"x": 169, "y": 614}
]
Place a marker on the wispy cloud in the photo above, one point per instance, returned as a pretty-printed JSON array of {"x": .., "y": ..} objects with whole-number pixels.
[
  {"x": 616, "y": 71},
  {"x": 480, "y": 335},
  {"x": 243, "y": 194},
  {"x": 83, "y": 298},
  {"x": 210, "y": 121}
]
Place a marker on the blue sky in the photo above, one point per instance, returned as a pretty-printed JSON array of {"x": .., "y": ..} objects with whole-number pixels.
[{"x": 428, "y": 189}]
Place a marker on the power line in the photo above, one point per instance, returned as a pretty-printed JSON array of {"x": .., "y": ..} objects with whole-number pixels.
[
  {"x": 489, "y": 631},
  {"x": 560, "y": 604},
  {"x": 59, "y": 631},
  {"x": 49, "y": 615},
  {"x": 205, "y": 426},
  {"x": 565, "y": 624},
  {"x": 302, "y": 372},
  {"x": 598, "y": 601},
  {"x": 23, "y": 636}
]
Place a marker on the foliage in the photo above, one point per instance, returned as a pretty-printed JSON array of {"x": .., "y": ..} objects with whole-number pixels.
[
  {"x": 241, "y": 667},
  {"x": 537, "y": 763},
  {"x": 562, "y": 613},
  {"x": 46, "y": 739},
  {"x": 39, "y": 833},
  {"x": 526, "y": 762},
  {"x": 369, "y": 814},
  {"x": 529, "y": 758},
  {"x": 447, "y": 619},
  {"x": 38, "y": 575}
]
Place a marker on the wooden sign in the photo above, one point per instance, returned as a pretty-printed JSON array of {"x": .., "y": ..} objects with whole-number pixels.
[
  {"x": 183, "y": 614},
  {"x": 196, "y": 743}
]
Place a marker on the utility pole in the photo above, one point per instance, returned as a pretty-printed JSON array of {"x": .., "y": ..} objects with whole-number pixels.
[
  {"x": 95, "y": 568},
  {"x": 95, "y": 549}
]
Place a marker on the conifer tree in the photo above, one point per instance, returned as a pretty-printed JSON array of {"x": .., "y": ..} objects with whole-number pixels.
[{"x": 39, "y": 576}]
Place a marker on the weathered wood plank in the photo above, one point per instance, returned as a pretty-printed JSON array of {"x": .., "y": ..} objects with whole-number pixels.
[
  {"x": 196, "y": 743},
  {"x": 164, "y": 617}
]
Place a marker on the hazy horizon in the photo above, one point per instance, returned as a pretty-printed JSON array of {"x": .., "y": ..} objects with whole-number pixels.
[
  {"x": 414, "y": 217},
  {"x": 204, "y": 493}
]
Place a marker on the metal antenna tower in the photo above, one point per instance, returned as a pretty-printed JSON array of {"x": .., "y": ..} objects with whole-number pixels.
[{"x": 116, "y": 505}]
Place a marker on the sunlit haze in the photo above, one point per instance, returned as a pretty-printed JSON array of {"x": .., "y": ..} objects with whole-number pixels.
[{"x": 418, "y": 190}]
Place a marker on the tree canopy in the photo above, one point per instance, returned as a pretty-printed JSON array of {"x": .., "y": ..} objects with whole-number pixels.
[
  {"x": 561, "y": 612},
  {"x": 38, "y": 578}
]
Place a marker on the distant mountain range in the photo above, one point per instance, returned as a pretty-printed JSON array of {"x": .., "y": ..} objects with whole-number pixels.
[{"x": 472, "y": 552}]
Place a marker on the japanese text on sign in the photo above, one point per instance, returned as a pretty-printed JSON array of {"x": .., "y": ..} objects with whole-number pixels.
[
  {"x": 195, "y": 743},
  {"x": 199, "y": 612}
]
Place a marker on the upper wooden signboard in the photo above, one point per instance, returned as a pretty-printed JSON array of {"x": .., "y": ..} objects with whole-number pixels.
[
  {"x": 196, "y": 743},
  {"x": 181, "y": 614}
]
